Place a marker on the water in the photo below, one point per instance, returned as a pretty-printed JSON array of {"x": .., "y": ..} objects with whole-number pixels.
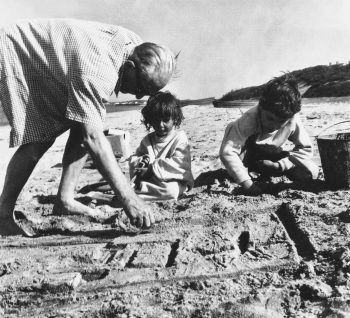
[
  {"x": 323, "y": 101},
  {"x": 109, "y": 107}
]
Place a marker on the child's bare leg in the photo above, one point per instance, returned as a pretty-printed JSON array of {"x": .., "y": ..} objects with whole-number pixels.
[
  {"x": 18, "y": 171},
  {"x": 74, "y": 158}
]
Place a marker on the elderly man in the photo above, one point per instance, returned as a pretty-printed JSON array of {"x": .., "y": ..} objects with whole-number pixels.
[{"x": 54, "y": 76}]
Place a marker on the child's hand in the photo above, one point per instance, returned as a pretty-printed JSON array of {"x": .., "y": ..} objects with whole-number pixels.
[
  {"x": 141, "y": 171},
  {"x": 143, "y": 165},
  {"x": 144, "y": 172},
  {"x": 268, "y": 167},
  {"x": 145, "y": 161}
]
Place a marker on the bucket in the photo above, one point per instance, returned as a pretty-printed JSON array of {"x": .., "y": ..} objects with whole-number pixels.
[
  {"x": 120, "y": 142},
  {"x": 335, "y": 157}
]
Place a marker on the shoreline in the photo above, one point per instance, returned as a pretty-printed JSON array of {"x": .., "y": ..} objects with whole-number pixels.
[{"x": 115, "y": 108}]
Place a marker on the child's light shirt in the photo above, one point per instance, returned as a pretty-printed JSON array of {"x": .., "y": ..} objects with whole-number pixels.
[
  {"x": 249, "y": 124},
  {"x": 170, "y": 158}
]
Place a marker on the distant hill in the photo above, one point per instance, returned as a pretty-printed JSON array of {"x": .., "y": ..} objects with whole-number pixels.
[{"x": 318, "y": 81}]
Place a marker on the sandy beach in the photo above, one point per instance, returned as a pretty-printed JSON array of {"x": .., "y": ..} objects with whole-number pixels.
[{"x": 213, "y": 253}]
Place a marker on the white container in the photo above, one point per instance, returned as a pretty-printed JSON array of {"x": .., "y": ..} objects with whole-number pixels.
[{"x": 120, "y": 142}]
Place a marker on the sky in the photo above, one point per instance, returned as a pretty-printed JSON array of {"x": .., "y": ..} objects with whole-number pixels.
[{"x": 223, "y": 44}]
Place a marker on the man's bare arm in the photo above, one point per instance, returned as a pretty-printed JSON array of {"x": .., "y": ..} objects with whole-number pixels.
[{"x": 100, "y": 149}]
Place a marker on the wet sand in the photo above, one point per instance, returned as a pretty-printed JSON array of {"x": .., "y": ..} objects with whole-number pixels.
[{"x": 214, "y": 253}]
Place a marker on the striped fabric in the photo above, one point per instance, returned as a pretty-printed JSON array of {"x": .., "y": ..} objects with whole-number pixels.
[{"x": 54, "y": 71}]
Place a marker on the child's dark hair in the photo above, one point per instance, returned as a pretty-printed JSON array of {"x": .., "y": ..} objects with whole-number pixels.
[
  {"x": 281, "y": 96},
  {"x": 164, "y": 106}
]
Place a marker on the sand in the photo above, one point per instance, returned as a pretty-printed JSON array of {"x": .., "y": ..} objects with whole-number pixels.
[{"x": 214, "y": 253}]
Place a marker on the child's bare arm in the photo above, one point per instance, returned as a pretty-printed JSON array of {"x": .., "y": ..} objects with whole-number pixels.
[
  {"x": 235, "y": 137},
  {"x": 232, "y": 162}
]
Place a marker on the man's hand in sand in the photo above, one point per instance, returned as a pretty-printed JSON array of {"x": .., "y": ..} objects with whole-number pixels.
[
  {"x": 251, "y": 188},
  {"x": 140, "y": 213}
]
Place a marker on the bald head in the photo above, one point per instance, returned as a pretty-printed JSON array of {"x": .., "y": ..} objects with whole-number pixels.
[{"x": 157, "y": 63}]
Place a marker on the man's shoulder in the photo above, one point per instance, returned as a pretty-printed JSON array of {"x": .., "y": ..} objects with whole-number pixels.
[
  {"x": 130, "y": 36},
  {"x": 88, "y": 28}
]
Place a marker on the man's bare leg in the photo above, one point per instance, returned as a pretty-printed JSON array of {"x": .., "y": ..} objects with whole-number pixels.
[
  {"x": 18, "y": 172},
  {"x": 100, "y": 149},
  {"x": 74, "y": 158}
]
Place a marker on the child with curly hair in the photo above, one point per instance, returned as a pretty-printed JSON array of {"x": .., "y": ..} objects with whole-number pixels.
[
  {"x": 161, "y": 167},
  {"x": 260, "y": 134}
]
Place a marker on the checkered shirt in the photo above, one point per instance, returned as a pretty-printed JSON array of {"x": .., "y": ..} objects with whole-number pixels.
[{"x": 53, "y": 72}]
